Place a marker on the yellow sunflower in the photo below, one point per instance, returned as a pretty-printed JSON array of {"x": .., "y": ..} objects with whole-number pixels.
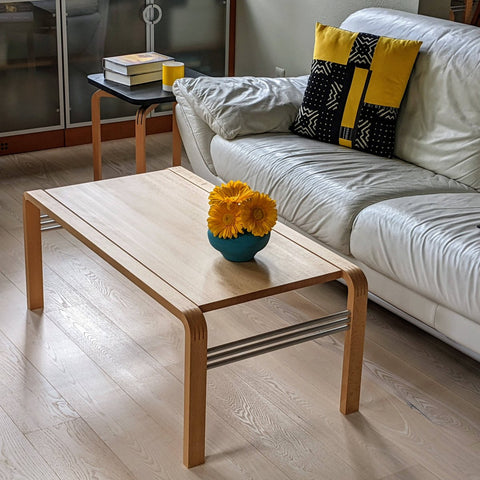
[
  {"x": 232, "y": 192},
  {"x": 224, "y": 220},
  {"x": 259, "y": 214}
]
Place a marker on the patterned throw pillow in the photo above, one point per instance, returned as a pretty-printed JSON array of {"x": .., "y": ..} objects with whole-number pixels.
[{"x": 356, "y": 84}]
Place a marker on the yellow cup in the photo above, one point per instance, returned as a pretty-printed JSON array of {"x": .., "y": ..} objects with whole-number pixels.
[{"x": 171, "y": 71}]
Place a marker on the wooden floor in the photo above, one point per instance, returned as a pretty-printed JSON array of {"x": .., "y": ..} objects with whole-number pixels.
[{"x": 91, "y": 388}]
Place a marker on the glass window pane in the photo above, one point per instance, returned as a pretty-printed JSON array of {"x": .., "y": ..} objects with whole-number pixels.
[
  {"x": 29, "y": 66},
  {"x": 193, "y": 31},
  {"x": 97, "y": 29}
]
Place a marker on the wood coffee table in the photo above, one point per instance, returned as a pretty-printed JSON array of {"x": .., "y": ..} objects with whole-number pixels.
[{"x": 152, "y": 228}]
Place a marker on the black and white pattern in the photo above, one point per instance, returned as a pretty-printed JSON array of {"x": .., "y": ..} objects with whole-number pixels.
[
  {"x": 388, "y": 113},
  {"x": 346, "y": 133},
  {"x": 307, "y": 124},
  {"x": 321, "y": 114},
  {"x": 324, "y": 94},
  {"x": 376, "y": 129},
  {"x": 362, "y": 51},
  {"x": 362, "y": 137},
  {"x": 333, "y": 100},
  {"x": 321, "y": 68}
]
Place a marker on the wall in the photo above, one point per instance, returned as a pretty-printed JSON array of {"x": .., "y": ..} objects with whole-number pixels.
[{"x": 281, "y": 32}]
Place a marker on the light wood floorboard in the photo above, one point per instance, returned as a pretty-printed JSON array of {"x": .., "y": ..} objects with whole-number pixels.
[{"x": 91, "y": 387}]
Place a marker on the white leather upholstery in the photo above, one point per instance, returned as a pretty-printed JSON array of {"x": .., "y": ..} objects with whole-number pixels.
[
  {"x": 196, "y": 137},
  {"x": 407, "y": 300},
  {"x": 439, "y": 123},
  {"x": 451, "y": 327},
  {"x": 234, "y": 106},
  {"x": 318, "y": 186},
  {"x": 458, "y": 328},
  {"x": 430, "y": 244}
]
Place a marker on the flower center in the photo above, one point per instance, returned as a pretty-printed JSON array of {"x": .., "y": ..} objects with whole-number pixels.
[
  {"x": 258, "y": 214},
  {"x": 228, "y": 219}
]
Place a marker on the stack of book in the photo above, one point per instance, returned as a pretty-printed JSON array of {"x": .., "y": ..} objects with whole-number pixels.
[{"x": 134, "y": 69}]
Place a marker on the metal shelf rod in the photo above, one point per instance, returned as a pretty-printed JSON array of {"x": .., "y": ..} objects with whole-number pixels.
[
  {"x": 326, "y": 320},
  {"x": 50, "y": 227},
  {"x": 47, "y": 223},
  {"x": 275, "y": 339},
  {"x": 276, "y": 347}
]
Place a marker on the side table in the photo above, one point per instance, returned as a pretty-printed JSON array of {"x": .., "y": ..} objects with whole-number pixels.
[{"x": 147, "y": 96}]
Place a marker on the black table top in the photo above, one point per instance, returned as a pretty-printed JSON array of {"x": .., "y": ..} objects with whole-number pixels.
[{"x": 144, "y": 94}]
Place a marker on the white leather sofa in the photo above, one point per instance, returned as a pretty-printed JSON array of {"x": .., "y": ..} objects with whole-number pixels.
[{"x": 411, "y": 222}]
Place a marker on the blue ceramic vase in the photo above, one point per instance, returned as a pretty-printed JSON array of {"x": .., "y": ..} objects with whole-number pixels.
[{"x": 240, "y": 249}]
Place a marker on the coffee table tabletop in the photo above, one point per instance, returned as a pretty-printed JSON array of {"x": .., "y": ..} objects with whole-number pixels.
[
  {"x": 152, "y": 228},
  {"x": 143, "y": 216}
]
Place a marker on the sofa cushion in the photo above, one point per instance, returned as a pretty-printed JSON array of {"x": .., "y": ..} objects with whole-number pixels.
[
  {"x": 429, "y": 243},
  {"x": 321, "y": 187},
  {"x": 236, "y": 106},
  {"x": 439, "y": 122},
  {"x": 356, "y": 84}
]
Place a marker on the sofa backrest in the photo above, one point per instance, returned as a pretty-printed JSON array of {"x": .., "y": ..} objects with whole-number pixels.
[{"x": 439, "y": 122}]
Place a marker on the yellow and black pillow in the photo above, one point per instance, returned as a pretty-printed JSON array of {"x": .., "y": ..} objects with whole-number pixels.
[{"x": 356, "y": 84}]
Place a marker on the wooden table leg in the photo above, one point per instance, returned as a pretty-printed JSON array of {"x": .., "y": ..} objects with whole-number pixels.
[
  {"x": 195, "y": 389},
  {"x": 354, "y": 340},
  {"x": 97, "y": 133},
  {"x": 33, "y": 254},
  {"x": 140, "y": 135},
  {"x": 176, "y": 140},
  {"x": 467, "y": 17}
]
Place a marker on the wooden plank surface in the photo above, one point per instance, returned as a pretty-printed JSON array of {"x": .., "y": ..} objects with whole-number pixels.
[
  {"x": 116, "y": 256},
  {"x": 18, "y": 455},
  {"x": 420, "y": 398},
  {"x": 29, "y": 400},
  {"x": 74, "y": 447}
]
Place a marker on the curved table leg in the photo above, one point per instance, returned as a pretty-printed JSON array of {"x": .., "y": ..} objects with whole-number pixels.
[
  {"x": 195, "y": 388},
  {"x": 354, "y": 339},
  {"x": 97, "y": 132},
  {"x": 176, "y": 140},
  {"x": 140, "y": 134}
]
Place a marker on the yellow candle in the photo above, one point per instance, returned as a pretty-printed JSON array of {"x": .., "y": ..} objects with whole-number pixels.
[{"x": 172, "y": 71}]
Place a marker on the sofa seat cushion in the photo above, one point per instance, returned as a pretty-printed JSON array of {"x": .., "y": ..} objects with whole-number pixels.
[
  {"x": 321, "y": 187},
  {"x": 429, "y": 243}
]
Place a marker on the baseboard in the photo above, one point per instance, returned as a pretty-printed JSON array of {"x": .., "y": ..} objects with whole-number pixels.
[{"x": 30, "y": 142}]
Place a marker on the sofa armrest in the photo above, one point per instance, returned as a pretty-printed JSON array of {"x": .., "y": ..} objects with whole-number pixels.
[{"x": 196, "y": 137}]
